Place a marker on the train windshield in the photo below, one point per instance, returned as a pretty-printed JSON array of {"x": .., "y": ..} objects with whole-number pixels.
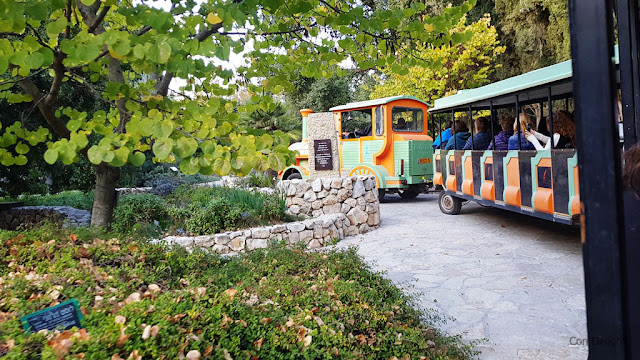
[{"x": 407, "y": 119}]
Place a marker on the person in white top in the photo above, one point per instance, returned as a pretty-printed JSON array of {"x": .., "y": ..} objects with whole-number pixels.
[{"x": 564, "y": 133}]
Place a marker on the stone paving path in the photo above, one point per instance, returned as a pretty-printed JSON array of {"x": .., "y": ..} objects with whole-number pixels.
[{"x": 512, "y": 279}]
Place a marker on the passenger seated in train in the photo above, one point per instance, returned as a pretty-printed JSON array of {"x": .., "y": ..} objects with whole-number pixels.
[
  {"x": 460, "y": 135},
  {"x": 443, "y": 137},
  {"x": 482, "y": 138},
  {"x": 501, "y": 140},
  {"x": 564, "y": 133},
  {"x": 525, "y": 122}
]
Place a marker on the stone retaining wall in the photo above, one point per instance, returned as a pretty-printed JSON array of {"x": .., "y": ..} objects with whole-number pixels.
[
  {"x": 355, "y": 196},
  {"x": 342, "y": 206},
  {"x": 27, "y": 216}
]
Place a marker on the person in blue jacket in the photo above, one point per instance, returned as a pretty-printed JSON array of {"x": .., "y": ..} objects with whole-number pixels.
[
  {"x": 482, "y": 138},
  {"x": 459, "y": 138},
  {"x": 524, "y": 143},
  {"x": 444, "y": 136}
]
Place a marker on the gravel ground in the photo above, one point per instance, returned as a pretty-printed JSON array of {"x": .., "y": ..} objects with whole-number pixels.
[{"x": 514, "y": 280}]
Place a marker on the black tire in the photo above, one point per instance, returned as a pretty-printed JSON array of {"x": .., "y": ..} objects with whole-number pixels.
[
  {"x": 450, "y": 205},
  {"x": 409, "y": 193},
  {"x": 294, "y": 176},
  {"x": 381, "y": 194}
]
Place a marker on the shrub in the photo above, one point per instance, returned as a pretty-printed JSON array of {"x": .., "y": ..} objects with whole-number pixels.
[
  {"x": 275, "y": 303},
  {"x": 218, "y": 215},
  {"x": 77, "y": 199},
  {"x": 257, "y": 179},
  {"x": 137, "y": 209}
]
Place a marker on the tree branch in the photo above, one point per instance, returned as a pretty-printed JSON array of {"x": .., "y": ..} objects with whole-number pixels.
[
  {"x": 45, "y": 107},
  {"x": 68, "y": 19},
  {"x": 99, "y": 19}
]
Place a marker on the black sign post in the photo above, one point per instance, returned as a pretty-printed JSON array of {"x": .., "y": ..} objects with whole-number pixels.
[
  {"x": 323, "y": 154},
  {"x": 63, "y": 316}
]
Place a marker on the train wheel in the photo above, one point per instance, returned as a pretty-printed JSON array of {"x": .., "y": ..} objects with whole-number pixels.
[
  {"x": 294, "y": 176},
  {"x": 450, "y": 205},
  {"x": 409, "y": 193}
]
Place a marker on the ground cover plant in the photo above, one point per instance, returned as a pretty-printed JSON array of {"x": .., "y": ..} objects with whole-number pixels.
[
  {"x": 150, "y": 301},
  {"x": 74, "y": 198}
]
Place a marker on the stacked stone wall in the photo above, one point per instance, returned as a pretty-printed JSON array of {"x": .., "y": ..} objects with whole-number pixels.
[
  {"x": 28, "y": 216},
  {"x": 340, "y": 207}
]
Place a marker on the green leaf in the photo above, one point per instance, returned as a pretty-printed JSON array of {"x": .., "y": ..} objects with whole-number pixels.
[
  {"x": 20, "y": 160},
  {"x": 22, "y": 148},
  {"x": 95, "y": 155},
  {"x": 163, "y": 129},
  {"x": 162, "y": 148},
  {"x": 56, "y": 27},
  {"x": 51, "y": 156},
  {"x": 137, "y": 158}
]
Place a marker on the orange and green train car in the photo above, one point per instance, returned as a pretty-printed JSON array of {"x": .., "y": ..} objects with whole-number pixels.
[
  {"x": 387, "y": 138},
  {"x": 541, "y": 183}
]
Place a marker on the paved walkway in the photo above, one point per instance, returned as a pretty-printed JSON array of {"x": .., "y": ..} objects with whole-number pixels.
[{"x": 512, "y": 279}]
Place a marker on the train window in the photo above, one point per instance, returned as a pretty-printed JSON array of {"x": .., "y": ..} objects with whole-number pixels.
[
  {"x": 356, "y": 123},
  {"x": 452, "y": 168},
  {"x": 488, "y": 171},
  {"x": 407, "y": 119},
  {"x": 544, "y": 177},
  {"x": 379, "y": 118}
]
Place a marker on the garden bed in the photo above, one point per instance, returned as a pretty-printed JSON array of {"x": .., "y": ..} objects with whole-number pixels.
[{"x": 148, "y": 301}]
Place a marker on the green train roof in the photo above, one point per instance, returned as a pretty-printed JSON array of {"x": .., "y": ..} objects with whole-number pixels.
[
  {"x": 375, "y": 102},
  {"x": 530, "y": 87}
]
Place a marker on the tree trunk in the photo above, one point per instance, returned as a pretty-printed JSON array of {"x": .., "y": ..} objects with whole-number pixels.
[{"x": 105, "y": 195}]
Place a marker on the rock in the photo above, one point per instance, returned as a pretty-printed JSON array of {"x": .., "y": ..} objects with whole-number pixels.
[
  {"x": 326, "y": 183},
  {"x": 347, "y": 183},
  {"x": 323, "y": 194},
  {"x": 317, "y": 213},
  {"x": 295, "y": 227},
  {"x": 294, "y": 209},
  {"x": 305, "y": 208},
  {"x": 352, "y": 230},
  {"x": 193, "y": 355},
  {"x": 310, "y": 196},
  {"x": 291, "y": 189},
  {"x": 237, "y": 244},
  {"x": 316, "y": 204},
  {"x": 220, "y": 249},
  {"x": 373, "y": 219},
  {"x": 364, "y": 228},
  {"x": 343, "y": 194},
  {"x": 317, "y": 185},
  {"x": 292, "y": 238},
  {"x": 344, "y": 208},
  {"x": 306, "y": 236},
  {"x": 357, "y": 216},
  {"x": 333, "y": 191},
  {"x": 351, "y": 202},
  {"x": 302, "y": 188},
  {"x": 330, "y": 200},
  {"x": 318, "y": 233},
  {"x": 235, "y": 234},
  {"x": 278, "y": 228},
  {"x": 260, "y": 233},
  {"x": 297, "y": 201},
  {"x": 369, "y": 184},
  {"x": 370, "y": 209},
  {"x": 361, "y": 202},
  {"x": 222, "y": 239},
  {"x": 333, "y": 209},
  {"x": 314, "y": 244},
  {"x": 358, "y": 189},
  {"x": 336, "y": 183},
  {"x": 370, "y": 197},
  {"x": 257, "y": 244}
]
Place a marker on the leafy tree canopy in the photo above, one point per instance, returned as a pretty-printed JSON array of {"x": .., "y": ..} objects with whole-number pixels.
[
  {"x": 464, "y": 65},
  {"x": 135, "y": 50}
]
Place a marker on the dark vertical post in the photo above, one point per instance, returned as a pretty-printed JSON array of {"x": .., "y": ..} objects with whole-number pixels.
[
  {"x": 541, "y": 116},
  {"x": 472, "y": 125},
  {"x": 453, "y": 126},
  {"x": 566, "y": 104},
  {"x": 629, "y": 62},
  {"x": 518, "y": 122},
  {"x": 550, "y": 118},
  {"x": 440, "y": 129},
  {"x": 493, "y": 119},
  {"x": 591, "y": 27}
]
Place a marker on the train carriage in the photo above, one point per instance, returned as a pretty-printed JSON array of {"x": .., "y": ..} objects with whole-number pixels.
[{"x": 542, "y": 183}]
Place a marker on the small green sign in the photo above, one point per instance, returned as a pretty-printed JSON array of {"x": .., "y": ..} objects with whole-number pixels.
[{"x": 63, "y": 316}]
